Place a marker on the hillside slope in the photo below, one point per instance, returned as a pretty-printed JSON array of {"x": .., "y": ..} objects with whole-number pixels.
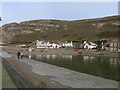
[{"x": 90, "y": 29}]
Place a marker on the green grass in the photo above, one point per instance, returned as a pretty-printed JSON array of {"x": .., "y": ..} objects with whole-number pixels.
[
  {"x": 67, "y": 30},
  {"x": 102, "y": 53},
  {"x": 6, "y": 80}
]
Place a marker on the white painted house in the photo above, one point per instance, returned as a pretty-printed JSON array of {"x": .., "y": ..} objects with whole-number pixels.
[
  {"x": 89, "y": 45},
  {"x": 42, "y": 44},
  {"x": 67, "y": 44},
  {"x": 46, "y": 44}
]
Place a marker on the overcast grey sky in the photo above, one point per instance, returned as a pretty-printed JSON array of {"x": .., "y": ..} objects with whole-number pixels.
[{"x": 22, "y": 11}]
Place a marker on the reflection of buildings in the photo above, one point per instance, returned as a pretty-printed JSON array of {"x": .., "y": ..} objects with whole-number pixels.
[
  {"x": 42, "y": 57},
  {"x": 89, "y": 58},
  {"x": 86, "y": 58},
  {"x": 114, "y": 61},
  {"x": 92, "y": 58},
  {"x": 67, "y": 57},
  {"x": 48, "y": 56},
  {"x": 53, "y": 56},
  {"x": 62, "y": 56},
  {"x": 39, "y": 57}
]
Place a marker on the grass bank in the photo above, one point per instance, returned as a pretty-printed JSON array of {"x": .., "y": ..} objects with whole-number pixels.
[
  {"x": 102, "y": 53},
  {"x": 6, "y": 80}
]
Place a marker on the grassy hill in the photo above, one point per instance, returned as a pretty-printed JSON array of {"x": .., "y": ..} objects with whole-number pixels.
[{"x": 90, "y": 29}]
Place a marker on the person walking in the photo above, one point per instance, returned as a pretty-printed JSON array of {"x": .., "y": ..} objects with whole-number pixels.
[
  {"x": 21, "y": 55},
  {"x": 18, "y": 54}
]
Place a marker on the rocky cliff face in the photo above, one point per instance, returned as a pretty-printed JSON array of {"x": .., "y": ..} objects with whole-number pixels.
[{"x": 60, "y": 30}]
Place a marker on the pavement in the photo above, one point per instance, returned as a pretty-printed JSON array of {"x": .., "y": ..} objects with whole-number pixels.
[{"x": 56, "y": 76}]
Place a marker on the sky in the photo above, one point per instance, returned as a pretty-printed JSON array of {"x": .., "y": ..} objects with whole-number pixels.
[{"x": 25, "y": 11}]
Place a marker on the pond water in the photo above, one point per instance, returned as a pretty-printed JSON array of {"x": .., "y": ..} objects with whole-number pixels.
[{"x": 101, "y": 66}]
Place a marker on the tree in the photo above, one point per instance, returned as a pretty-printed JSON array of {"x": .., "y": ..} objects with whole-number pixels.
[
  {"x": 99, "y": 44},
  {"x": 104, "y": 41}
]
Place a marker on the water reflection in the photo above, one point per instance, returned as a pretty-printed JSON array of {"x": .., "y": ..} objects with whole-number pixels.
[
  {"x": 69, "y": 57},
  {"x": 54, "y": 56},
  {"x": 38, "y": 57},
  {"x": 113, "y": 61},
  {"x": 47, "y": 57},
  {"x": 89, "y": 58}
]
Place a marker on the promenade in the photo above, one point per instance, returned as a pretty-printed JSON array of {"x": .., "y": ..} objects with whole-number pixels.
[{"x": 42, "y": 75}]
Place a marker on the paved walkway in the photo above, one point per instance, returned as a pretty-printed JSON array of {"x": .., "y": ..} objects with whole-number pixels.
[{"x": 64, "y": 77}]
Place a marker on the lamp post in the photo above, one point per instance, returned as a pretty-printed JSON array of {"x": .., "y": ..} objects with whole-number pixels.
[{"x": 0, "y": 19}]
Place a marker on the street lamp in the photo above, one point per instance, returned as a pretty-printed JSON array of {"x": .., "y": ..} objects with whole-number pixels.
[{"x": 0, "y": 19}]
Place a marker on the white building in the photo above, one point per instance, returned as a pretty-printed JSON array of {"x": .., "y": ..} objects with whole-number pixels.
[
  {"x": 89, "y": 45},
  {"x": 42, "y": 44},
  {"x": 114, "y": 46},
  {"x": 67, "y": 44},
  {"x": 46, "y": 44}
]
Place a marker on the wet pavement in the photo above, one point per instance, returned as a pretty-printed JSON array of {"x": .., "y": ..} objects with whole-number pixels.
[{"x": 62, "y": 77}]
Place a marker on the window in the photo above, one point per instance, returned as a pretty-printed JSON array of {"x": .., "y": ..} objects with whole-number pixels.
[
  {"x": 118, "y": 49},
  {"x": 111, "y": 44},
  {"x": 115, "y": 49},
  {"x": 118, "y": 44},
  {"x": 111, "y": 49},
  {"x": 115, "y": 44}
]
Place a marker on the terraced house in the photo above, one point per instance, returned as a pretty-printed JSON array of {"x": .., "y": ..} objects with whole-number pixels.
[
  {"x": 112, "y": 46},
  {"x": 55, "y": 44},
  {"x": 115, "y": 46}
]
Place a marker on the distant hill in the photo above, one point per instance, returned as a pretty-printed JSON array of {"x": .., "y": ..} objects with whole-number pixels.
[{"x": 90, "y": 29}]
